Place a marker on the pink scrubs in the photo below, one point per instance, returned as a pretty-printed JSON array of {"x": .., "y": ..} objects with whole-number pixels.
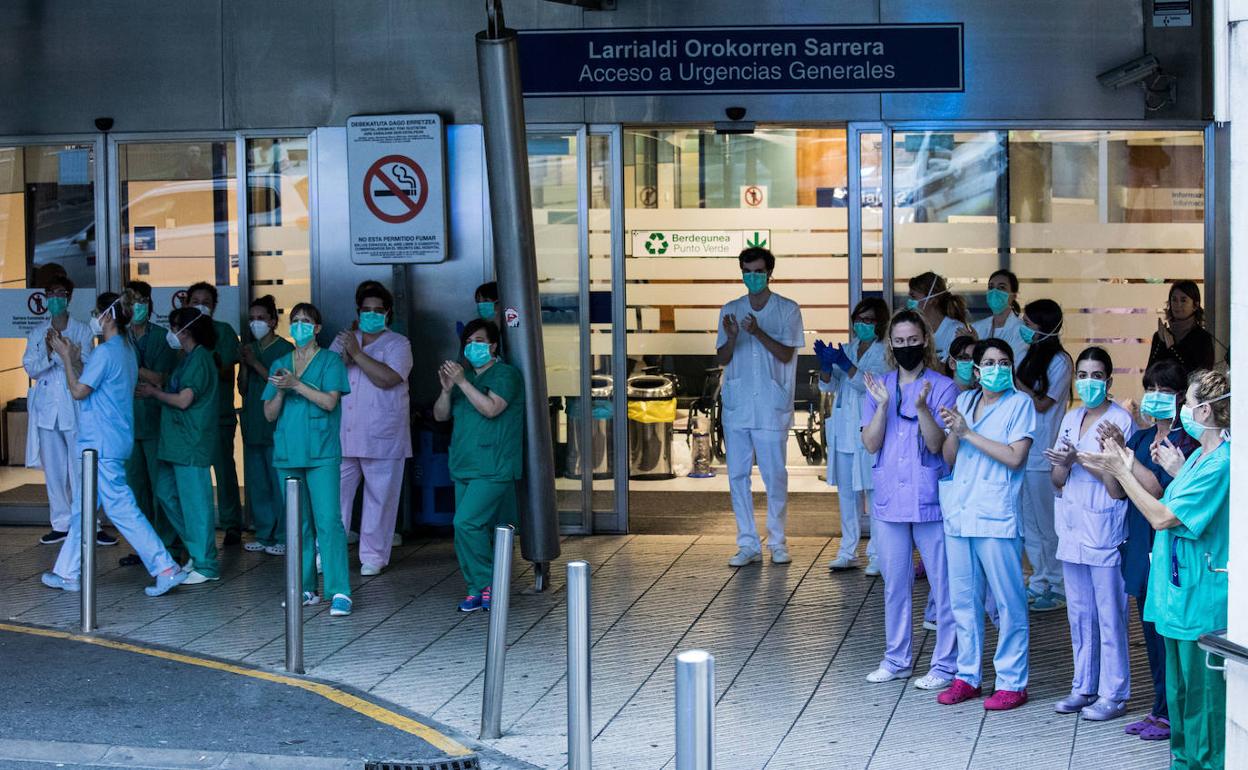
[{"x": 376, "y": 442}]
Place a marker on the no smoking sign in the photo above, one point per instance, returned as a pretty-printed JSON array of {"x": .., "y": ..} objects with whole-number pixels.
[{"x": 395, "y": 189}]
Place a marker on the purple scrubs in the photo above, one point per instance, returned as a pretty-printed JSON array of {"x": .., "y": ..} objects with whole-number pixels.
[{"x": 906, "y": 514}]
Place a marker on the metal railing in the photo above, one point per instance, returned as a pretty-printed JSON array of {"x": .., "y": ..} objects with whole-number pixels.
[
  {"x": 496, "y": 640},
  {"x": 695, "y": 710},
  {"x": 1218, "y": 644},
  {"x": 294, "y": 579},
  {"x": 580, "y": 736},
  {"x": 87, "y": 577}
]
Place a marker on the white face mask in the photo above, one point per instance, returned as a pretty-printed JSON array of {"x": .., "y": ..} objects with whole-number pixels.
[
  {"x": 204, "y": 309},
  {"x": 172, "y": 337},
  {"x": 97, "y": 326},
  {"x": 259, "y": 329}
]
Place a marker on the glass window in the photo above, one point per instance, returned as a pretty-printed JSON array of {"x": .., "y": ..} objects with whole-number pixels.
[{"x": 278, "y": 239}]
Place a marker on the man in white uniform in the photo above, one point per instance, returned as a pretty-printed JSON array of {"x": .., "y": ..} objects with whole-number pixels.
[
  {"x": 51, "y": 433},
  {"x": 759, "y": 336}
]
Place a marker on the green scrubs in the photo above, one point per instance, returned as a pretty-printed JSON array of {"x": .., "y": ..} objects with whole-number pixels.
[
  {"x": 229, "y": 506},
  {"x": 260, "y": 480},
  {"x": 306, "y": 446},
  {"x": 142, "y": 468},
  {"x": 1187, "y": 599},
  {"x": 187, "y": 442},
  {"x": 486, "y": 460}
]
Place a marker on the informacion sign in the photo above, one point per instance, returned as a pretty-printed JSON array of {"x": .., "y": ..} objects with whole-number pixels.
[
  {"x": 1172, "y": 13},
  {"x": 21, "y": 310},
  {"x": 397, "y": 188},
  {"x": 871, "y": 58},
  {"x": 166, "y": 299},
  {"x": 698, "y": 243}
]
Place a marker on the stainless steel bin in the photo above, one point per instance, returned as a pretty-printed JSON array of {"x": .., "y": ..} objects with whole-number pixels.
[
  {"x": 651, "y": 419},
  {"x": 600, "y": 416}
]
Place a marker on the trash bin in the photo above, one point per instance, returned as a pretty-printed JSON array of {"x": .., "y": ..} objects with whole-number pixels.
[
  {"x": 651, "y": 419},
  {"x": 601, "y": 412}
]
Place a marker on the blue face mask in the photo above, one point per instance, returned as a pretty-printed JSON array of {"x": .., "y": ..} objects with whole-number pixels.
[
  {"x": 964, "y": 371},
  {"x": 996, "y": 379},
  {"x": 755, "y": 282},
  {"x": 1159, "y": 406},
  {"x": 1091, "y": 391},
  {"x": 302, "y": 332},
  {"x": 485, "y": 311},
  {"x": 865, "y": 332},
  {"x": 912, "y": 303},
  {"x": 477, "y": 353},
  {"x": 998, "y": 300},
  {"x": 1030, "y": 335},
  {"x": 1187, "y": 416},
  {"x": 141, "y": 310},
  {"x": 57, "y": 305},
  {"x": 372, "y": 322}
]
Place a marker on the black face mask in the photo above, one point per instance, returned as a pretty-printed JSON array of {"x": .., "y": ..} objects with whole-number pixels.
[{"x": 910, "y": 356}]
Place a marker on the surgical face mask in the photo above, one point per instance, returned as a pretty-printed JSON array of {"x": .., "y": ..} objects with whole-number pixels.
[
  {"x": 485, "y": 311},
  {"x": 57, "y": 305},
  {"x": 910, "y": 356},
  {"x": 97, "y": 326},
  {"x": 203, "y": 309},
  {"x": 302, "y": 332},
  {"x": 477, "y": 353},
  {"x": 755, "y": 282},
  {"x": 917, "y": 304},
  {"x": 998, "y": 300},
  {"x": 964, "y": 371},
  {"x": 1159, "y": 406},
  {"x": 141, "y": 310},
  {"x": 173, "y": 340},
  {"x": 865, "y": 332},
  {"x": 1030, "y": 335},
  {"x": 1187, "y": 416},
  {"x": 372, "y": 322},
  {"x": 1091, "y": 391},
  {"x": 259, "y": 329},
  {"x": 996, "y": 378}
]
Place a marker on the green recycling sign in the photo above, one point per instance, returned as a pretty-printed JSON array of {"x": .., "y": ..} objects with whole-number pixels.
[{"x": 697, "y": 243}]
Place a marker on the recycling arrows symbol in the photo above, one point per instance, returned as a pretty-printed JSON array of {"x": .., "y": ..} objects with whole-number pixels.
[{"x": 656, "y": 244}]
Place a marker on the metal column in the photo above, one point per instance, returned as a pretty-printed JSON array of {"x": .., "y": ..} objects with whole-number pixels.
[
  {"x": 87, "y": 579},
  {"x": 695, "y": 710},
  {"x": 580, "y": 736},
  {"x": 496, "y": 637},
  {"x": 294, "y": 579},
  {"x": 515, "y": 261}
]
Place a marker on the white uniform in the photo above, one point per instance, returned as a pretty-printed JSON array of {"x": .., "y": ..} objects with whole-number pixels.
[
  {"x": 52, "y": 415},
  {"x": 1008, "y": 333},
  {"x": 1039, "y": 534},
  {"x": 758, "y": 394},
  {"x": 948, "y": 331}
]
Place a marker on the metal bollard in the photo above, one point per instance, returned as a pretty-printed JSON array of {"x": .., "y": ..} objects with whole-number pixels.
[
  {"x": 496, "y": 641},
  {"x": 579, "y": 731},
  {"x": 695, "y": 710},
  {"x": 294, "y": 579},
  {"x": 87, "y": 577}
]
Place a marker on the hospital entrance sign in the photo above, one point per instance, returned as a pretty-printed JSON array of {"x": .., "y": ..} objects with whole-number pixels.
[{"x": 697, "y": 243}]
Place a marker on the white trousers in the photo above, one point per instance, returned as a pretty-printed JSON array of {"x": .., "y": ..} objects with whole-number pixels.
[
  {"x": 744, "y": 447},
  {"x": 62, "y": 470},
  {"x": 383, "y": 481},
  {"x": 1039, "y": 534},
  {"x": 855, "y": 507}
]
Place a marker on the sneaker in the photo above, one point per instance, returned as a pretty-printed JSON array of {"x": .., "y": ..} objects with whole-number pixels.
[
  {"x": 53, "y": 580},
  {"x": 340, "y": 606},
  {"x": 1073, "y": 704},
  {"x": 254, "y": 546},
  {"x": 1004, "y": 700},
  {"x": 744, "y": 557},
  {"x": 1135, "y": 728},
  {"x": 232, "y": 537},
  {"x": 780, "y": 555},
  {"x": 1159, "y": 730},
  {"x": 195, "y": 578},
  {"x": 277, "y": 549},
  {"x": 105, "y": 538},
  {"x": 958, "y": 692},
  {"x": 1049, "y": 601},
  {"x": 53, "y": 537},
  {"x": 842, "y": 563},
  {"x": 485, "y": 599},
  {"x": 1104, "y": 710},
  {"x": 933, "y": 681},
  {"x": 470, "y": 603},
  {"x": 309, "y": 599},
  {"x": 929, "y": 625},
  {"x": 369, "y": 570},
  {"x": 1033, "y": 594},
  {"x": 130, "y": 560},
  {"x": 352, "y": 537},
  {"x": 881, "y": 675},
  {"x": 166, "y": 583},
  {"x": 873, "y": 568}
]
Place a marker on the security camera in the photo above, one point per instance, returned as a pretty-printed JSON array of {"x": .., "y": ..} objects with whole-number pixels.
[
  {"x": 1132, "y": 72},
  {"x": 103, "y": 125},
  {"x": 735, "y": 113}
]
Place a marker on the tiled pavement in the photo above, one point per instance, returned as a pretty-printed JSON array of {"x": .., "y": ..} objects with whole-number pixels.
[{"x": 791, "y": 646}]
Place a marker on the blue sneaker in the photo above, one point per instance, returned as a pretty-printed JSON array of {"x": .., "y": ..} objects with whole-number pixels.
[
  {"x": 485, "y": 599},
  {"x": 53, "y": 580},
  {"x": 1048, "y": 602},
  {"x": 166, "y": 583},
  {"x": 340, "y": 606},
  {"x": 470, "y": 604},
  {"x": 1033, "y": 594}
]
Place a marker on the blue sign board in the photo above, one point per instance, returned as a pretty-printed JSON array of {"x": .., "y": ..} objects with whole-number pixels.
[{"x": 871, "y": 58}]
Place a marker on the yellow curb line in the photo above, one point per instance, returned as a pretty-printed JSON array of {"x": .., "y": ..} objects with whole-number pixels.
[{"x": 346, "y": 700}]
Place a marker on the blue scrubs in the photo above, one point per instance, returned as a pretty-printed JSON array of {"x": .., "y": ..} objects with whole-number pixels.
[
  {"x": 983, "y": 540},
  {"x": 106, "y": 424}
]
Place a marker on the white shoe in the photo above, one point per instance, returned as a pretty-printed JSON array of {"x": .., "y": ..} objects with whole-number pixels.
[
  {"x": 195, "y": 578},
  {"x": 882, "y": 674},
  {"x": 318, "y": 564},
  {"x": 277, "y": 549},
  {"x": 253, "y": 546},
  {"x": 396, "y": 540},
  {"x": 873, "y": 569},
  {"x": 189, "y": 566},
  {"x": 930, "y": 625},
  {"x": 931, "y": 681},
  {"x": 842, "y": 563},
  {"x": 368, "y": 570},
  {"x": 780, "y": 555},
  {"x": 352, "y": 537},
  {"x": 742, "y": 558}
]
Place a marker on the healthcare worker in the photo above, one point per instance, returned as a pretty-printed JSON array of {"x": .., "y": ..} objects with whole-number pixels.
[
  {"x": 52, "y": 413},
  {"x": 1164, "y": 381},
  {"x": 902, "y": 429},
  {"x": 990, "y": 433},
  {"x": 944, "y": 311},
  {"x": 960, "y": 364},
  {"x": 376, "y": 430},
  {"x": 759, "y": 336},
  {"x": 1187, "y": 585},
  {"x": 188, "y": 434},
  {"x": 842, "y": 370},
  {"x": 1044, "y": 375},
  {"x": 261, "y": 481},
  {"x": 105, "y": 392},
  {"x": 486, "y": 403},
  {"x": 203, "y": 297},
  {"x": 1003, "y": 321},
  {"x": 1090, "y": 518},
  {"x": 486, "y": 297},
  {"x": 304, "y": 398},
  {"x": 1182, "y": 335}
]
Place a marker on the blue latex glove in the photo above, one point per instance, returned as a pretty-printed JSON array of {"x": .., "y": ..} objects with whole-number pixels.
[
  {"x": 822, "y": 351},
  {"x": 840, "y": 358}
]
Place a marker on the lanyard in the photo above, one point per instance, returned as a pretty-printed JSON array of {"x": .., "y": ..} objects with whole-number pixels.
[{"x": 897, "y": 395}]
